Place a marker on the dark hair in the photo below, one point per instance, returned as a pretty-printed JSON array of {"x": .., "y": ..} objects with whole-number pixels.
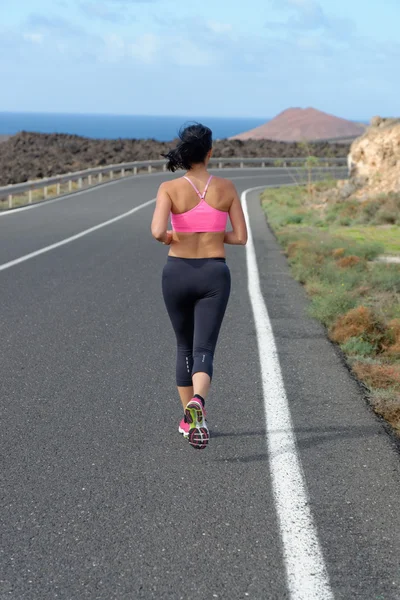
[{"x": 195, "y": 142}]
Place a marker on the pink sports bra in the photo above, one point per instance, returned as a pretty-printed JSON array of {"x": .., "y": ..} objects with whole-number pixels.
[{"x": 200, "y": 218}]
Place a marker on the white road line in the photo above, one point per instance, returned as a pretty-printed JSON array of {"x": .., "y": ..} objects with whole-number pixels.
[
  {"x": 16, "y": 261},
  {"x": 305, "y": 568},
  {"x": 12, "y": 263}
]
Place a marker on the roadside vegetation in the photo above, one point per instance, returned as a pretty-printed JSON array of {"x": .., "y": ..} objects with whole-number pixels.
[{"x": 335, "y": 250}]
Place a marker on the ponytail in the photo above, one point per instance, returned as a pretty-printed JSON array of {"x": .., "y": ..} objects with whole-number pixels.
[
  {"x": 195, "y": 143},
  {"x": 174, "y": 160}
]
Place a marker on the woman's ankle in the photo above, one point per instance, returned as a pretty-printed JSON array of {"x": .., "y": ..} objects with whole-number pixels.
[{"x": 200, "y": 398}]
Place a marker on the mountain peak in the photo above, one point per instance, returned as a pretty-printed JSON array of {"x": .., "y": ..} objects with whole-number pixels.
[{"x": 296, "y": 124}]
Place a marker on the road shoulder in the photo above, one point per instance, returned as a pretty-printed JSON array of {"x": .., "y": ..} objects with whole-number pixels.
[{"x": 350, "y": 463}]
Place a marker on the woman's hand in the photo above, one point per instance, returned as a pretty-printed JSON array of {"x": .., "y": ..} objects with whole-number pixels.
[{"x": 168, "y": 238}]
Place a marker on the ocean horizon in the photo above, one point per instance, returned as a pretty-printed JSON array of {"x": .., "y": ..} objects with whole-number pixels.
[{"x": 163, "y": 129}]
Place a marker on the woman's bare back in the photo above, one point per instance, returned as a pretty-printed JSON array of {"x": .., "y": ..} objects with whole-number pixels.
[{"x": 220, "y": 195}]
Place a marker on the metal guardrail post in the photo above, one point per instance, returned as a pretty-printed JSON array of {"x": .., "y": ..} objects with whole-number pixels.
[
  {"x": 10, "y": 201},
  {"x": 135, "y": 170}
]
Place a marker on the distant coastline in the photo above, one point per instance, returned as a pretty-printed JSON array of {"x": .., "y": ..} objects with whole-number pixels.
[{"x": 161, "y": 129}]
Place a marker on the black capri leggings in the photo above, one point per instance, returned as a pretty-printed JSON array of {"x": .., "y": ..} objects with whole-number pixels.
[{"x": 196, "y": 293}]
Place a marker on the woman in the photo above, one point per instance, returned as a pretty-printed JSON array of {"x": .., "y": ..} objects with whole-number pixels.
[{"x": 196, "y": 279}]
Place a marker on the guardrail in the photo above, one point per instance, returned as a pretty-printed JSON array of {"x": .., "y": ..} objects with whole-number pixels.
[{"x": 96, "y": 175}]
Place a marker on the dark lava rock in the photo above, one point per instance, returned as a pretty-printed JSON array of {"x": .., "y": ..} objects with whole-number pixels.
[{"x": 34, "y": 155}]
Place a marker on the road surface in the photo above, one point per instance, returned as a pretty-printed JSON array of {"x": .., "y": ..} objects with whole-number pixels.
[{"x": 101, "y": 498}]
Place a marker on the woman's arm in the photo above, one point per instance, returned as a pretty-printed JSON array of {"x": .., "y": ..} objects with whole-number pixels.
[
  {"x": 238, "y": 235},
  {"x": 161, "y": 215}
]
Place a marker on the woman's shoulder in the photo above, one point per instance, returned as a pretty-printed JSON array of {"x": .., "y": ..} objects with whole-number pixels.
[
  {"x": 168, "y": 186},
  {"x": 173, "y": 184},
  {"x": 223, "y": 181},
  {"x": 225, "y": 185}
]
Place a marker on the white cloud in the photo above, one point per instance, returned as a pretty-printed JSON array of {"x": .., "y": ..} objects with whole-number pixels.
[
  {"x": 145, "y": 47},
  {"x": 102, "y": 10},
  {"x": 54, "y": 25},
  {"x": 114, "y": 48},
  {"x": 35, "y": 38},
  {"x": 184, "y": 52},
  {"x": 217, "y": 27},
  {"x": 165, "y": 49},
  {"x": 305, "y": 4}
]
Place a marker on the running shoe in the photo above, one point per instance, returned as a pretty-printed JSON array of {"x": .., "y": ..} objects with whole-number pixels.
[
  {"x": 184, "y": 427},
  {"x": 195, "y": 415}
]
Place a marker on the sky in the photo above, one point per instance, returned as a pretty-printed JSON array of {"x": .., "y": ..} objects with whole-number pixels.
[{"x": 222, "y": 58}]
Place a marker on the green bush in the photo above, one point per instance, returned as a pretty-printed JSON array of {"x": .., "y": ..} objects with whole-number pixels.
[
  {"x": 385, "y": 216},
  {"x": 328, "y": 308},
  {"x": 369, "y": 210},
  {"x": 366, "y": 250},
  {"x": 294, "y": 219},
  {"x": 348, "y": 278},
  {"x": 386, "y": 277},
  {"x": 358, "y": 346}
]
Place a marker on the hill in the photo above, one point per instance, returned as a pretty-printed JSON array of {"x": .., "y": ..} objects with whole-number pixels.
[
  {"x": 35, "y": 155},
  {"x": 296, "y": 124}
]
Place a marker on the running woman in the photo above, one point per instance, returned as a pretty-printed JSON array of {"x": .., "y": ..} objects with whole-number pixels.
[{"x": 196, "y": 280}]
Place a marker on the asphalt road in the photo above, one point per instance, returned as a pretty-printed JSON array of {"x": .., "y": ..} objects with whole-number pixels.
[{"x": 100, "y": 496}]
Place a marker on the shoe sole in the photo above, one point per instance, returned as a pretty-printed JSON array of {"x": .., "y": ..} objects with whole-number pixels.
[
  {"x": 198, "y": 433},
  {"x": 183, "y": 432}
]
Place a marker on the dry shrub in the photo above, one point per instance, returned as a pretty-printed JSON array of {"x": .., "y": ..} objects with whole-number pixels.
[
  {"x": 362, "y": 290},
  {"x": 295, "y": 247},
  {"x": 378, "y": 376},
  {"x": 313, "y": 287},
  {"x": 348, "y": 261},
  {"x": 338, "y": 252},
  {"x": 384, "y": 303},
  {"x": 393, "y": 349},
  {"x": 357, "y": 322}
]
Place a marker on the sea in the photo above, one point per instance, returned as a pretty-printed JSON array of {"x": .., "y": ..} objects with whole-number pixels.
[{"x": 163, "y": 129}]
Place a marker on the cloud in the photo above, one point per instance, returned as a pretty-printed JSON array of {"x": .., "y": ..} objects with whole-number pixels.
[
  {"x": 217, "y": 27},
  {"x": 150, "y": 49},
  {"x": 132, "y": 1},
  {"x": 35, "y": 38},
  {"x": 102, "y": 10},
  {"x": 144, "y": 48},
  {"x": 53, "y": 24},
  {"x": 113, "y": 11},
  {"x": 309, "y": 16}
]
